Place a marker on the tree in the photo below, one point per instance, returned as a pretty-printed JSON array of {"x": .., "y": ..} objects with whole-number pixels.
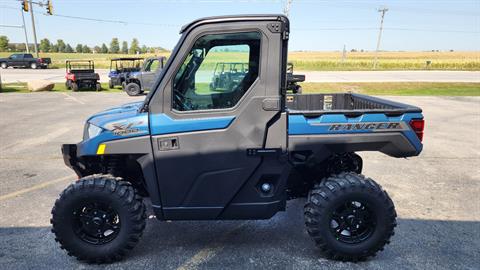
[
  {"x": 114, "y": 46},
  {"x": 20, "y": 47},
  {"x": 97, "y": 49},
  {"x": 54, "y": 48},
  {"x": 45, "y": 45},
  {"x": 104, "y": 48},
  {"x": 3, "y": 43},
  {"x": 134, "y": 46},
  {"x": 68, "y": 49},
  {"x": 124, "y": 47},
  {"x": 79, "y": 48},
  {"x": 86, "y": 49},
  {"x": 144, "y": 49},
  {"x": 61, "y": 45}
]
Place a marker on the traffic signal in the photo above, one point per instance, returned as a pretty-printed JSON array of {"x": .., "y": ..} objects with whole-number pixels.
[
  {"x": 25, "y": 5},
  {"x": 50, "y": 7}
]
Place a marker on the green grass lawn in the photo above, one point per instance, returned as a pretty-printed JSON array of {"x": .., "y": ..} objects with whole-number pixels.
[
  {"x": 59, "y": 87},
  {"x": 388, "y": 88},
  {"x": 397, "y": 88}
]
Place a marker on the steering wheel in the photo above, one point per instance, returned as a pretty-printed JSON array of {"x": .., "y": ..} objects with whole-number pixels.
[{"x": 182, "y": 101}]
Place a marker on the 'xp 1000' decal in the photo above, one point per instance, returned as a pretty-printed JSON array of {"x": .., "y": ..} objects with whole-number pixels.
[
  {"x": 125, "y": 128},
  {"x": 367, "y": 126}
]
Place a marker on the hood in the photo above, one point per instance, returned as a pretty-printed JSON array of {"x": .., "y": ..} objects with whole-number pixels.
[
  {"x": 125, "y": 118},
  {"x": 112, "y": 73},
  {"x": 134, "y": 74}
]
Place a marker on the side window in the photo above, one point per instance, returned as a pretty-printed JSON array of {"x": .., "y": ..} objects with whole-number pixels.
[
  {"x": 218, "y": 71},
  {"x": 153, "y": 65}
]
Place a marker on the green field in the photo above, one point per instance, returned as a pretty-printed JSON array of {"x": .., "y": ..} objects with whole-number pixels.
[
  {"x": 318, "y": 61},
  {"x": 394, "y": 89}
]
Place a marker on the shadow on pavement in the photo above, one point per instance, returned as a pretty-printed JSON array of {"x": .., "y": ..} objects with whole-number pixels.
[{"x": 277, "y": 243}]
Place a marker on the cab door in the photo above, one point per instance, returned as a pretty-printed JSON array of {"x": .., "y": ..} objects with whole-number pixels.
[
  {"x": 149, "y": 73},
  {"x": 208, "y": 142}
]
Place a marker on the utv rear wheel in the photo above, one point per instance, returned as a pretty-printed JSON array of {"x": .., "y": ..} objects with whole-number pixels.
[
  {"x": 98, "y": 219},
  {"x": 133, "y": 89},
  {"x": 349, "y": 217}
]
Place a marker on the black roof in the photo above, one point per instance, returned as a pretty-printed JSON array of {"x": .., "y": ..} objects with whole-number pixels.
[
  {"x": 79, "y": 60},
  {"x": 234, "y": 18},
  {"x": 126, "y": 58}
]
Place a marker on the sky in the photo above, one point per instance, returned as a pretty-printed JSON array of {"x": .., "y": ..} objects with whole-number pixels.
[{"x": 316, "y": 25}]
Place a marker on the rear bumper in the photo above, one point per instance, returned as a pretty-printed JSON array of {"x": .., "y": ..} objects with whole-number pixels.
[{"x": 69, "y": 153}]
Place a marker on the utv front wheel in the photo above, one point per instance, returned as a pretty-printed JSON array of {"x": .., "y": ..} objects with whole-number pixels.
[
  {"x": 133, "y": 89},
  {"x": 98, "y": 219},
  {"x": 74, "y": 86},
  {"x": 350, "y": 217}
]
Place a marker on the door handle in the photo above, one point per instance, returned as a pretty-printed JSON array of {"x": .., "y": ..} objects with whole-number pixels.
[{"x": 166, "y": 144}]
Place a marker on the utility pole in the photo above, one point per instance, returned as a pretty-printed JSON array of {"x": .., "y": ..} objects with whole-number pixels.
[
  {"x": 286, "y": 10},
  {"x": 344, "y": 53},
  {"x": 35, "y": 46},
  {"x": 25, "y": 31},
  {"x": 383, "y": 11}
]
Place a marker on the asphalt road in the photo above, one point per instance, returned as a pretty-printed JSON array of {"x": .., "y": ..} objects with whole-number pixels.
[
  {"x": 58, "y": 75},
  {"x": 436, "y": 196}
]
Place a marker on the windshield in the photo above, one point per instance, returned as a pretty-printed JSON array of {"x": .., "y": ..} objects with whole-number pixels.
[
  {"x": 121, "y": 65},
  {"x": 162, "y": 71}
]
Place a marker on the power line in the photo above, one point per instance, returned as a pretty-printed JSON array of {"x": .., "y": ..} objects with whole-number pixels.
[{"x": 100, "y": 20}]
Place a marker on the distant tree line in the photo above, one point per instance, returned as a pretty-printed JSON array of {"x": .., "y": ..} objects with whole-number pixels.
[{"x": 61, "y": 47}]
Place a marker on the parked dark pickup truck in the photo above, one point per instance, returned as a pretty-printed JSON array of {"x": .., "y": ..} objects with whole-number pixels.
[{"x": 25, "y": 60}]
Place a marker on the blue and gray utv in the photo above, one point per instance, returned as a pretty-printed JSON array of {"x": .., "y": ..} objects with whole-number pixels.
[{"x": 239, "y": 151}]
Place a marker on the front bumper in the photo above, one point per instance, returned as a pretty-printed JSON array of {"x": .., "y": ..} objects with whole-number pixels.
[{"x": 69, "y": 152}]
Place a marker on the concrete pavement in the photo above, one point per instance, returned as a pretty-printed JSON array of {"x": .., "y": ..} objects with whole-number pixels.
[
  {"x": 436, "y": 197},
  {"x": 58, "y": 75}
]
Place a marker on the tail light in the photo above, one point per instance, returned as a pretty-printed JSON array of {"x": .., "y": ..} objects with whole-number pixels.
[{"x": 418, "y": 125}]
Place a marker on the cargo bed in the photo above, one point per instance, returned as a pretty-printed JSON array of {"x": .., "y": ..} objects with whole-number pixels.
[
  {"x": 345, "y": 103},
  {"x": 347, "y": 122}
]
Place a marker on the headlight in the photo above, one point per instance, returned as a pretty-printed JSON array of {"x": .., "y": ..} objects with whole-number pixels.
[{"x": 93, "y": 131}]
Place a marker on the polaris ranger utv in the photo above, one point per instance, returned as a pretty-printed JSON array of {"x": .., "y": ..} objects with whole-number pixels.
[
  {"x": 137, "y": 82},
  {"x": 235, "y": 154}
]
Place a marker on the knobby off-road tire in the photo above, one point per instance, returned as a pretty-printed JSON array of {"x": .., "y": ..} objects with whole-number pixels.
[
  {"x": 102, "y": 201},
  {"x": 350, "y": 217},
  {"x": 74, "y": 86},
  {"x": 133, "y": 89}
]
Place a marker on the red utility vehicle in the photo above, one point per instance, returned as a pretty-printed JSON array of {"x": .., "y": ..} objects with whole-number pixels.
[{"x": 81, "y": 74}]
